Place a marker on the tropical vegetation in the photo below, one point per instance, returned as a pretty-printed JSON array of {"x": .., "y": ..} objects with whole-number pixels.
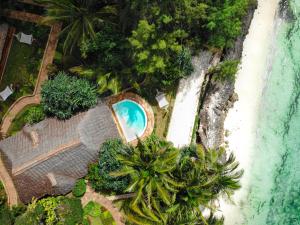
[
  {"x": 52, "y": 210},
  {"x": 65, "y": 95},
  {"x": 34, "y": 115},
  {"x": 8, "y": 215},
  {"x": 79, "y": 17},
  {"x": 99, "y": 173},
  {"x": 138, "y": 43},
  {"x": 96, "y": 214},
  {"x": 225, "y": 71},
  {"x": 79, "y": 188},
  {"x": 171, "y": 186}
]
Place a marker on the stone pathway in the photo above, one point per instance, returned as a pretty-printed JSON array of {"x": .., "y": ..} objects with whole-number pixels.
[
  {"x": 90, "y": 195},
  {"x": 186, "y": 103}
]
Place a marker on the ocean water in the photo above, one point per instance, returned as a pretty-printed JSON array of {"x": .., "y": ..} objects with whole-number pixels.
[{"x": 274, "y": 197}]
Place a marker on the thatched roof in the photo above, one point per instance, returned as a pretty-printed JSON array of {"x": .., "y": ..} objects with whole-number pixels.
[{"x": 48, "y": 157}]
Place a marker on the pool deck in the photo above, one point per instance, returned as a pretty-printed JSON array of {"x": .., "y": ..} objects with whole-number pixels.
[{"x": 145, "y": 105}]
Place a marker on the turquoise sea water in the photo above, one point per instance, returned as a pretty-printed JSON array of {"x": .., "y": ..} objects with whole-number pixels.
[
  {"x": 274, "y": 198},
  {"x": 132, "y": 118}
]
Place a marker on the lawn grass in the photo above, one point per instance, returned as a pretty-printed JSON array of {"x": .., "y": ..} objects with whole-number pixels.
[
  {"x": 19, "y": 121},
  {"x": 162, "y": 116},
  {"x": 22, "y": 67}
]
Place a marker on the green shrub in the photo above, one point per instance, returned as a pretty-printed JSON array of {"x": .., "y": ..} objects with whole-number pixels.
[
  {"x": 33, "y": 215},
  {"x": 99, "y": 173},
  {"x": 34, "y": 115},
  {"x": 3, "y": 196},
  {"x": 79, "y": 188},
  {"x": 99, "y": 214},
  {"x": 64, "y": 96},
  {"x": 52, "y": 210},
  {"x": 5, "y": 215},
  {"x": 69, "y": 211},
  {"x": 93, "y": 209},
  {"x": 225, "y": 71}
]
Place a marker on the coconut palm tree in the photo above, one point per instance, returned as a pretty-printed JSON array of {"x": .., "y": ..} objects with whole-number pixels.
[
  {"x": 150, "y": 166},
  {"x": 79, "y": 17},
  {"x": 173, "y": 186},
  {"x": 207, "y": 176},
  {"x": 105, "y": 81}
]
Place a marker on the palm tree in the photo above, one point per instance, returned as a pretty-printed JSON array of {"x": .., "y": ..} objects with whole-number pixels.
[
  {"x": 79, "y": 18},
  {"x": 207, "y": 176},
  {"x": 105, "y": 81},
  {"x": 173, "y": 188},
  {"x": 150, "y": 166}
]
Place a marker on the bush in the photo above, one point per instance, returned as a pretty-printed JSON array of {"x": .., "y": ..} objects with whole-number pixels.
[
  {"x": 35, "y": 115},
  {"x": 64, "y": 96},
  {"x": 52, "y": 210},
  {"x": 5, "y": 215},
  {"x": 79, "y": 188},
  {"x": 225, "y": 71},
  {"x": 99, "y": 173},
  {"x": 70, "y": 211},
  {"x": 3, "y": 196},
  {"x": 94, "y": 210}
]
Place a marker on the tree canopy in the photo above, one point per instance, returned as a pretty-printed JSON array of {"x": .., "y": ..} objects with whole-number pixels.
[
  {"x": 172, "y": 184},
  {"x": 78, "y": 17},
  {"x": 140, "y": 42}
]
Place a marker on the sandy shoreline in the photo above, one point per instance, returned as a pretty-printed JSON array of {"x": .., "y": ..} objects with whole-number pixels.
[{"x": 241, "y": 119}]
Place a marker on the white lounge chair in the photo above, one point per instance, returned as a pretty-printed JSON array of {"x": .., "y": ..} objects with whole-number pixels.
[
  {"x": 162, "y": 100},
  {"x": 6, "y": 93},
  {"x": 24, "y": 38}
]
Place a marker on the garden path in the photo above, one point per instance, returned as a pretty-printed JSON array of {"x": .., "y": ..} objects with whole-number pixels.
[
  {"x": 187, "y": 101},
  {"x": 11, "y": 192},
  {"x": 90, "y": 195}
]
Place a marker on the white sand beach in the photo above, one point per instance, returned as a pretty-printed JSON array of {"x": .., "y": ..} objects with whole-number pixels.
[{"x": 241, "y": 119}]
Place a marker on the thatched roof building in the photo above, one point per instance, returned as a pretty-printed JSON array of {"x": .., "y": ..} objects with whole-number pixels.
[{"x": 48, "y": 157}]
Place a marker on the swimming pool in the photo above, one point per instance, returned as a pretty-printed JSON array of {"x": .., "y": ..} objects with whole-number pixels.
[{"x": 131, "y": 117}]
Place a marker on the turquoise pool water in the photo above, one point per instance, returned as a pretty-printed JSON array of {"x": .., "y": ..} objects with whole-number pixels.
[
  {"x": 274, "y": 197},
  {"x": 132, "y": 118}
]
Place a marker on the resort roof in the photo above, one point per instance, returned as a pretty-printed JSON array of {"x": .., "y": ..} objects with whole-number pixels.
[{"x": 48, "y": 157}]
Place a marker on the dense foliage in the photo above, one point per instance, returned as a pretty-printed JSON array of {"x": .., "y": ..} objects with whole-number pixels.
[
  {"x": 79, "y": 188},
  {"x": 52, "y": 210},
  {"x": 79, "y": 17},
  {"x": 3, "y": 197},
  {"x": 156, "y": 53},
  {"x": 99, "y": 173},
  {"x": 225, "y": 71},
  {"x": 64, "y": 96},
  {"x": 8, "y": 215},
  {"x": 171, "y": 184},
  {"x": 139, "y": 43},
  {"x": 99, "y": 214},
  {"x": 34, "y": 115}
]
